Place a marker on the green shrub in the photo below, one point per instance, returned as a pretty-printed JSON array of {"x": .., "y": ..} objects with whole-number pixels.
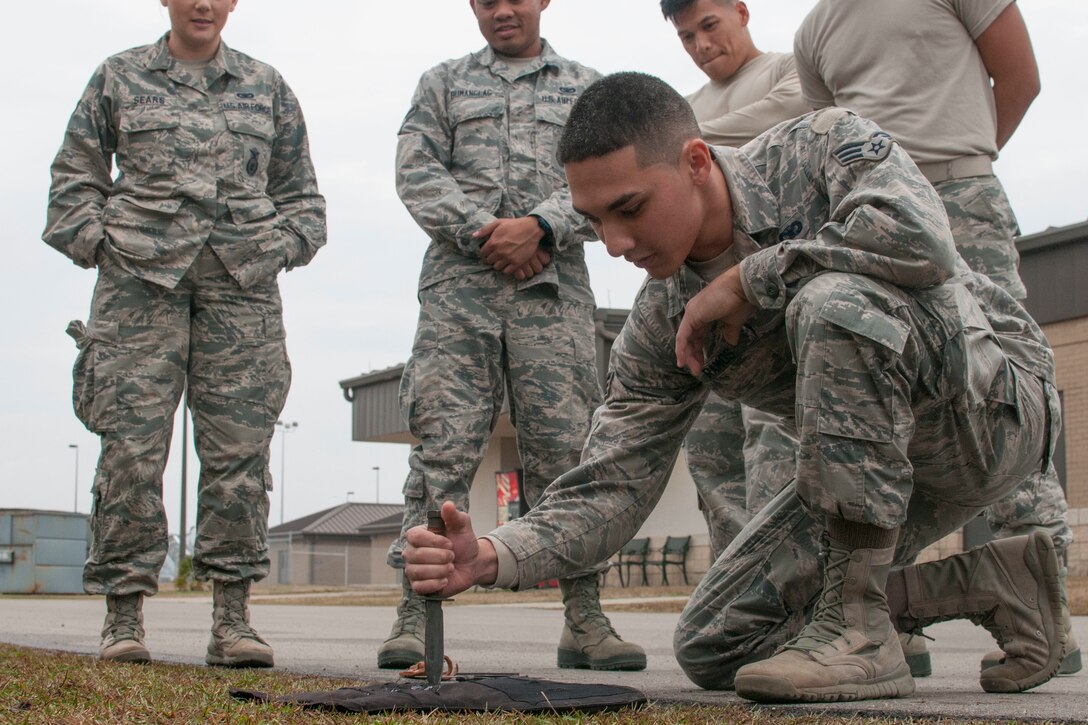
[{"x": 185, "y": 581}]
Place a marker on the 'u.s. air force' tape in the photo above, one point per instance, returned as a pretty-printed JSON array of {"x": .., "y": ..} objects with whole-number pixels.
[{"x": 875, "y": 148}]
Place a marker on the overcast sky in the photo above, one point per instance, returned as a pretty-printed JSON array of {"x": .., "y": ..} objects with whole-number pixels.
[{"x": 354, "y": 64}]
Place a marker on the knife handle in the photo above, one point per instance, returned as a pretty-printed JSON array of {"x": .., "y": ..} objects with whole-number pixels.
[{"x": 435, "y": 524}]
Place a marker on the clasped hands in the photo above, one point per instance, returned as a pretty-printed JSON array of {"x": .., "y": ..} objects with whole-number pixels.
[{"x": 512, "y": 246}]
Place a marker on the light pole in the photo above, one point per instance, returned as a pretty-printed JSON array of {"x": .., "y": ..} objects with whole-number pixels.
[
  {"x": 285, "y": 427},
  {"x": 182, "y": 544},
  {"x": 377, "y": 483},
  {"x": 75, "y": 496},
  {"x": 347, "y": 499}
]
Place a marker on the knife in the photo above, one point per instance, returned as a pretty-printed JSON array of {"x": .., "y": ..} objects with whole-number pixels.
[{"x": 433, "y": 654}]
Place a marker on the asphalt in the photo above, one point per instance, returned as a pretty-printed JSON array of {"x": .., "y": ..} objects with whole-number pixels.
[{"x": 343, "y": 642}]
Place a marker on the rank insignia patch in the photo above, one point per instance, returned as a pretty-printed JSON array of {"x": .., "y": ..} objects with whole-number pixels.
[{"x": 875, "y": 148}]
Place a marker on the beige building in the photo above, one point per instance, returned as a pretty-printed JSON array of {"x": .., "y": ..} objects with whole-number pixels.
[
  {"x": 341, "y": 546},
  {"x": 1054, "y": 265}
]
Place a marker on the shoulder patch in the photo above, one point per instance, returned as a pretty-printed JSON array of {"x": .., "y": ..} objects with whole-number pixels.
[
  {"x": 825, "y": 118},
  {"x": 875, "y": 148}
]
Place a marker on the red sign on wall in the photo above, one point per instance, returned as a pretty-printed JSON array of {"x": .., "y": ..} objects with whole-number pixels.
[{"x": 508, "y": 495}]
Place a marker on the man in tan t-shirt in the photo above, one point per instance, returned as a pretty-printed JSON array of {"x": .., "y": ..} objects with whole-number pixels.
[
  {"x": 739, "y": 457},
  {"x": 951, "y": 80},
  {"x": 749, "y": 90}
]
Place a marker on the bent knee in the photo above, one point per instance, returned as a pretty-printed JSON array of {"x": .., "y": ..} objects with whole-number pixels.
[{"x": 709, "y": 662}]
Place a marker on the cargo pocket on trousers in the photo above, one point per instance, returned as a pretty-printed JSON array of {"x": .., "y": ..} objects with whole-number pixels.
[
  {"x": 93, "y": 393},
  {"x": 858, "y": 400}
]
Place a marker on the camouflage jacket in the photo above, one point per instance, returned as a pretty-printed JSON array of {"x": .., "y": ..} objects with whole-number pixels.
[
  {"x": 220, "y": 157},
  {"x": 479, "y": 143},
  {"x": 828, "y": 192}
]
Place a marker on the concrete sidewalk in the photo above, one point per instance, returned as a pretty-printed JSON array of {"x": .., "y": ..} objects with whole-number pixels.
[{"x": 343, "y": 642}]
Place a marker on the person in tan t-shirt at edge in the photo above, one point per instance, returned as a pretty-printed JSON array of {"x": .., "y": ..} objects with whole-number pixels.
[{"x": 950, "y": 80}]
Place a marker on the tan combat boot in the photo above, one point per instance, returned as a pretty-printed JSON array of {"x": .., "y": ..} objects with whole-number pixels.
[
  {"x": 588, "y": 640},
  {"x": 1011, "y": 588},
  {"x": 849, "y": 650},
  {"x": 234, "y": 643},
  {"x": 404, "y": 646},
  {"x": 1071, "y": 662},
  {"x": 123, "y": 633},
  {"x": 916, "y": 654}
]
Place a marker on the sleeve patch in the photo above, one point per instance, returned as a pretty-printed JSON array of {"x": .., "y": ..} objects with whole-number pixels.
[
  {"x": 875, "y": 148},
  {"x": 825, "y": 118}
]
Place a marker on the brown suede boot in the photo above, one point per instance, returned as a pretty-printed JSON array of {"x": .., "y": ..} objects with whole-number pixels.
[
  {"x": 1011, "y": 588},
  {"x": 849, "y": 650},
  {"x": 1071, "y": 662},
  {"x": 588, "y": 640},
  {"x": 123, "y": 633},
  {"x": 234, "y": 643},
  {"x": 404, "y": 645}
]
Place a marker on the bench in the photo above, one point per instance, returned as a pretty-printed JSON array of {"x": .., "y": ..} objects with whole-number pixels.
[
  {"x": 675, "y": 553},
  {"x": 634, "y": 553}
]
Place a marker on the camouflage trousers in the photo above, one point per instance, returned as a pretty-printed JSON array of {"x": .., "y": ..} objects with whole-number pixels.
[
  {"x": 141, "y": 346},
  {"x": 739, "y": 457},
  {"x": 984, "y": 228},
  {"x": 890, "y": 436},
  {"x": 481, "y": 340},
  {"x": 733, "y": 486}
]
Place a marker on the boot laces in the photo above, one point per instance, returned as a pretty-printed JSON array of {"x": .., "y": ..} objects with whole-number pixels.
[
  {"x": 235, "y": 613},
  {"x": 409, "y": 613},
  {"x": 124, "y": 621},
  {"x": 587, "y": 598},
  {"x": 828, "y": 619}
]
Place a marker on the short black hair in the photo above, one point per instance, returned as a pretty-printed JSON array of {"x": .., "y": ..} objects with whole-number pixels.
[
  {"x": 671, "y": 8},
  {"x": 628, "y": 109}
]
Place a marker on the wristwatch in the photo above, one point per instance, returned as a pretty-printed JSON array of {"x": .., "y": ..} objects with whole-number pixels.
[{"x": 548, "y": 240}]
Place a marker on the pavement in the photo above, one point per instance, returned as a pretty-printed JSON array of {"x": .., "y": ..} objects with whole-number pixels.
[{"x": 342, "y": 641}]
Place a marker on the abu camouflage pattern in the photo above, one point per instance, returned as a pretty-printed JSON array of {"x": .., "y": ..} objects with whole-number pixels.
[
  {"x": 739, "y": 458},
  {"x": 478, "y": 339},
  {"x": 907, "y": 377},
  {"x": 214, "y": 194},
  {"x": 135, "y": 354},
  {"x": 984, "y": 230},
  {"x": 224, "y": 150},
  {"x": 479, "y": 143},
  {"x": 1037, "y": 504}
]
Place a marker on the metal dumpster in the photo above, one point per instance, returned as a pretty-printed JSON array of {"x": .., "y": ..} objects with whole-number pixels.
[{"x": 42, "y": 552}]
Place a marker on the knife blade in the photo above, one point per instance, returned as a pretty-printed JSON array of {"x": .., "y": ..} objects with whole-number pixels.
[{"x": 433, "y": 637}]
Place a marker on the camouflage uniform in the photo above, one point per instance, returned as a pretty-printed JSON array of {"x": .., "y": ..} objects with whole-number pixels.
[
  {"x": 214, "y": 195},
  {"x": 920, "y": 391},
  {"x": 984, "y": 229},
  {"x": 943, "y": 113},
  {"x": 740, "y": 457},
  {"x": 478, "y": 144}
]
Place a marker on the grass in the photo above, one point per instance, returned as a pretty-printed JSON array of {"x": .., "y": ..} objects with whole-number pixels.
[{"x": 39, "y": 686}]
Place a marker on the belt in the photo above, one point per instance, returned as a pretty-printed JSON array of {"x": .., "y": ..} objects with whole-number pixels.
[{"x": 957, "y": 168}]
